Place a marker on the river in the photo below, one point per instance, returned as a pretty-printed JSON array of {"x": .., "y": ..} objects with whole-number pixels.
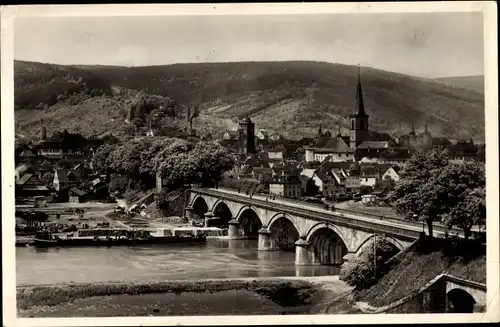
[{"x": 217, "y": 258}]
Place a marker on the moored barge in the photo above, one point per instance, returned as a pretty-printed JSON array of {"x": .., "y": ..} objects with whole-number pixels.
[{"x": 46, "y": 239}]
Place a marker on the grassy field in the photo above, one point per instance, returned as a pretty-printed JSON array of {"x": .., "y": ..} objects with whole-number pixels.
[
  {"x": 238, "y": 302},
  {"x": 202, "y": 297},
  {"x": 272, "y": 93}
]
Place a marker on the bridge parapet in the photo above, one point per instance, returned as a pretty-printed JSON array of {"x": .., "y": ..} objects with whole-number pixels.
[{"x": 351, "y": 232}]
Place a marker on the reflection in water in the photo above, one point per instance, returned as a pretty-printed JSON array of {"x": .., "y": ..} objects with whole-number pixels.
[{"x": 214, "y": 259}]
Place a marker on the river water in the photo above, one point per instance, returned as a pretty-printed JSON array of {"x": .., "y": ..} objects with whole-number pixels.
[{"x": 217, "y": 258}]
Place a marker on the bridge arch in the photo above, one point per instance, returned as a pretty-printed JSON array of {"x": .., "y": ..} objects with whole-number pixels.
[
  {"x": 327, "y": 244},
  {"x": 369, "y": 240},
  {"x": 283, "y": 232},
  {"x": 249, "y": 223},
  {"x": 200, "y": 206},
  {"x": 460, "y": 301},
  {"x": 247, "y": 207},
  {"x": 222, "y": 214}
]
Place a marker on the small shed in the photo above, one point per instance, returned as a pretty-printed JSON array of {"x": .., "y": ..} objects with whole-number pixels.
[{"x": 76, "y": 195}]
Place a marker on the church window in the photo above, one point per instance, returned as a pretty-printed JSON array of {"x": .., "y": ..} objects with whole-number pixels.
[{"x": 352, "y": 124}]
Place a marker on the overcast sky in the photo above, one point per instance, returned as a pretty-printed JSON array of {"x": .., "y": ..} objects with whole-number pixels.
[{"x": 426, "y": 45}]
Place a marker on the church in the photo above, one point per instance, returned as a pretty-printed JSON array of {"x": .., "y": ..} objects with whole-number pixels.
[{"x": 360, "y": 141}]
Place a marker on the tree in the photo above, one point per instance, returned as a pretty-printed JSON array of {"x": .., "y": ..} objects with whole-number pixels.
[
  {"x": 416, "y": 194},
  {"x": 100, "y": 161},
  {"x": 191, "y": 113},
  {"x": 364, "y": 270},
  {"x": 462, "y": 187}
]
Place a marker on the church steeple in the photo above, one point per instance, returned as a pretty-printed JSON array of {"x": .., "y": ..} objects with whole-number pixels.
[
  {"x": 359, "y": 106},
  {"x": 359, "y": 119},
  {"x": 412, "y": 130}
]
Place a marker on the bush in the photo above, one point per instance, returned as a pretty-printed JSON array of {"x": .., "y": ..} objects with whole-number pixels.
[
  {"x": 358, "y": 273},
  {"x": 365, "y": 270}
]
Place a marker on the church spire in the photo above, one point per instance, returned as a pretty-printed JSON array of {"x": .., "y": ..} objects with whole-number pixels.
[
  {"x": 425, "y": 129},
  {"x": 412, "y": 130},
  {"x": 359, "y": 107}
]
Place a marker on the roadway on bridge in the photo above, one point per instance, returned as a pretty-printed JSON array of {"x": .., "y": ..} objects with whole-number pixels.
[{"x": 410, "y": 226}]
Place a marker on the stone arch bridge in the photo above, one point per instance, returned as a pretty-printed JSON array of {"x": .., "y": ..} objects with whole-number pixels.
[{"x": 316, "y": 234}]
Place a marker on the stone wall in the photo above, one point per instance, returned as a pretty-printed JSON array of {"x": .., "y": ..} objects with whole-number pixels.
[{"x": 175, "y": 205}]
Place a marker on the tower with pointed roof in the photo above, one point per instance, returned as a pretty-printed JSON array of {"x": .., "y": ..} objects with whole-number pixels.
[
  {"x": 359, "y": 118},
  {"x": 43, "y": 132},
  {"x": 426, "y": 138}
]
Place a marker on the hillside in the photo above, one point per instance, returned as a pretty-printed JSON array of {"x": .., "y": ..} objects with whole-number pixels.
[
  {"x": 420, "y": 264},
  {"x": 274, "y": 94},
  {"x": 475, "y": 83}
]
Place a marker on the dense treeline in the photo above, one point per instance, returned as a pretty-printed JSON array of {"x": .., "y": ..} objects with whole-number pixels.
[
  {"x": 434, "y": 189},
  {"x": 37, "y": 86},
  {"x": 178, "y": 161}
]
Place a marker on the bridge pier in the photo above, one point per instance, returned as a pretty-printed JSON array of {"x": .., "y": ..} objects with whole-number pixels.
[
  {"x": 208, "y": 217},
  {"x": 302, "y": 253},
  {"x": 350, "y": 256},
  {"x": 264, "y": 239},
  {"x": 189, "y": 213},
  {"x": 233, "y": 232}
]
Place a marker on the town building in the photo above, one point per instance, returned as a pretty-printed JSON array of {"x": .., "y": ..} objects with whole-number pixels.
[
  {"x": 368, "y": 176},
  {"x": 76, "y": 195},
  {"x": 262, "y": 134},
  {"x": 66, "y": 178},
  {"x": 230, "y": 135},
  {"x": 246, "y": 136},
  {"x": 392, "y": 173},
  {"x": 286, "y": 185},
  {"x": 30, "y": 186}
]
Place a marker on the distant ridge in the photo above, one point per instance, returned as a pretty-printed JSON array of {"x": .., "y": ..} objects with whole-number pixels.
[
  {"x": 289, "y": 97},
  {"x": 475, "y": 82}
]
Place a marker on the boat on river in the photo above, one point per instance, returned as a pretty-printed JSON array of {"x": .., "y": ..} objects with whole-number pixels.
[{"x": 46, "y": 239}]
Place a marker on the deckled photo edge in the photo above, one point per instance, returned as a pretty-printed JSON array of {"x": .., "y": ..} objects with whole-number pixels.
[{"x": 491, "y": 106}]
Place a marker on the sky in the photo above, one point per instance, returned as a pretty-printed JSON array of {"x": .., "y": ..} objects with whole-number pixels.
[{"x": 421, "y": 44}]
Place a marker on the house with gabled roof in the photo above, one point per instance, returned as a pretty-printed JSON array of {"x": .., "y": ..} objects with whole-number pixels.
[
  {"x": 262, "y": 134},
  {"x": 30, "y": 185},
  {"x": 77, "y": 195},
  {"x": 368, "y": 176},
  {"x": 325, "y": 182},
  {"x": 66, "y": 178},
  {"x": 230, "y": 135},
  {"x": 392, "y": 173},
  {"x": 332, "y": 148}
]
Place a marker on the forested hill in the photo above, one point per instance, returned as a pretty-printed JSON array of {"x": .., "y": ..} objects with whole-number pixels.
[
  {"x": 469, "y": 82},
  {"x": 292, "y": 98}
]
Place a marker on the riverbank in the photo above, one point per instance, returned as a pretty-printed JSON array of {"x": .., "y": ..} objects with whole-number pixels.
[
  {"x": 246, "y": 296},
  {"x": 412, "y": 270}
]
